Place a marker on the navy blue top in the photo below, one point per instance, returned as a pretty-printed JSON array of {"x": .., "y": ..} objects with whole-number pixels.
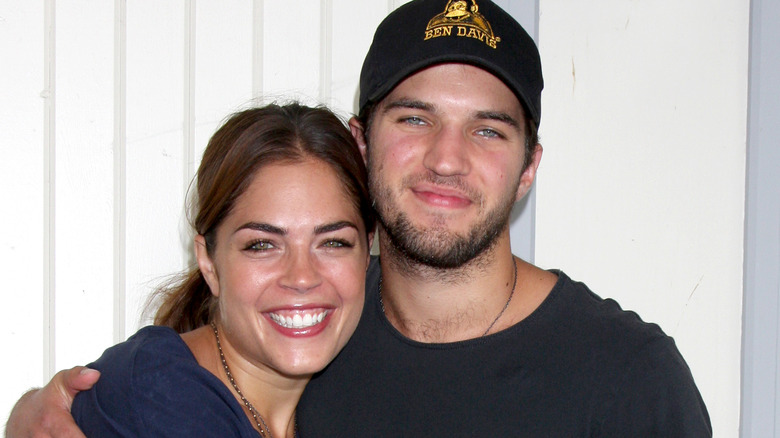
[{"x": 152, "y": 386}]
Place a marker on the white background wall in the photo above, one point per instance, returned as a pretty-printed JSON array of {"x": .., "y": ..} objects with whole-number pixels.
[
  {"x": 105, "y": 108},
  {"x": 641, "y": 188}
]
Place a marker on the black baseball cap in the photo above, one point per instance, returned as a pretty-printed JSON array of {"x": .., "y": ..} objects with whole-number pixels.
[{"x": 423, "y": 33}]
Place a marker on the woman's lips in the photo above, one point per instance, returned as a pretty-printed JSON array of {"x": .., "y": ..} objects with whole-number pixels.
[{"x": 300, "y": 322}]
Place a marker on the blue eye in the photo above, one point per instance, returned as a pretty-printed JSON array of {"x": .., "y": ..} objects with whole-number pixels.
[
  {"x": 489, "y": 133},
  {"x": 413, "y": 120}
]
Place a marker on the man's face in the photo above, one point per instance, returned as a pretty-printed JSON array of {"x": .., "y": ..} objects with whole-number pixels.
[{"x": 445, "y": 156}]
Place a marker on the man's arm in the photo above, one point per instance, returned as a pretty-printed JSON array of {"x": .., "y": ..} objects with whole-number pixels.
[{"x": 45, "y": 412}]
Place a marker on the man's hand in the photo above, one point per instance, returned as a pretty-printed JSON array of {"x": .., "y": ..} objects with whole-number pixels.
[{"x": 45, "y": 412}]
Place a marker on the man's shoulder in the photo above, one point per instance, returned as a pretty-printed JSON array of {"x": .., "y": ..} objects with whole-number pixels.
[
  {"x": 601, "y": 323},
  {"x": 631, "y": 360},
  {"x": 606, "y": 311}
]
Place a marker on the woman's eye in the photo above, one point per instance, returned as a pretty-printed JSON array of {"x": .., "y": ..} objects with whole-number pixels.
[
  {"x": 337, "y": 243},
  {"x": 260, "y": 245}
]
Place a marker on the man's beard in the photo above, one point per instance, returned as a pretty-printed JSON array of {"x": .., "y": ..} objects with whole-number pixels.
[{"x": 438, "y": 247}]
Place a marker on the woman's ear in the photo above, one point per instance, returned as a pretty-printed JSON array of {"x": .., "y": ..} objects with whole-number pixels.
[
  {"x": 358, "y": 132},
  {"x": 206, "y": 265}
]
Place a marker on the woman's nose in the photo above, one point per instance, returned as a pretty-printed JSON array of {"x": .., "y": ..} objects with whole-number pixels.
[{"x": 300, "y": 272}]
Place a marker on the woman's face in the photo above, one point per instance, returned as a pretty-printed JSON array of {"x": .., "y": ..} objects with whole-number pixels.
[{"x": 288, "y": 269}]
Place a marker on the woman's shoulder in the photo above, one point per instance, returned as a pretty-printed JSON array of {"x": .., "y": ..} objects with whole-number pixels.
[
  {"x": 159, "y": 340},
  {"x": 143, "y": 358},
  {"x": 152, "y": 382},
  {"x": 146, "y": 348}
]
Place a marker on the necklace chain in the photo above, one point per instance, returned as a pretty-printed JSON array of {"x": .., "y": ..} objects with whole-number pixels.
[
  {"x": 260, "y": 422},
  {"x": 500, "y": 314},
  {"x": 506, "y": 305}
]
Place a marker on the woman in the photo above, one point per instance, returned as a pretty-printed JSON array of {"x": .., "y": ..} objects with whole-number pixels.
[{"x": 283, "y": 235}]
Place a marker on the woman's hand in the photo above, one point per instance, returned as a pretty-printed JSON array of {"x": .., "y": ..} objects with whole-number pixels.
[{"x": 45, "y": 412}]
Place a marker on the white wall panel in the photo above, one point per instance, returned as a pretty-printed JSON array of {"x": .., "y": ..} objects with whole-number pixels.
[
  {"x": 640, "y": 191},
  {"x": 84, "y": 186},
  {"x": 223, "y": 65},
  {"x": 156, "y": 37},
  {"x": 21, "y": 197},
  {"x": 354, "y": 23},
  {"x": 291, "y": 49}
]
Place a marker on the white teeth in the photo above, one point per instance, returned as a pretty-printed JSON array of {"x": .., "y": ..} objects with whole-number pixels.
[{"x": 297, "y": 321}]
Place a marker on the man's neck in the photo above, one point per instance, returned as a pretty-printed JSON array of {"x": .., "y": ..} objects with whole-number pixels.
[{"x": 437, "y": 305}]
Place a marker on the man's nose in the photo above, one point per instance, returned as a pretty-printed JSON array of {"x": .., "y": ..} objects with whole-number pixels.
[{"x": 447, "y": 154}]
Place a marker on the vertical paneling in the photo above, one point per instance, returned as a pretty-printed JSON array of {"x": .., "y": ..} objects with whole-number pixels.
[
  {"x": 355, "y": 22},
  {"x": 291, "y": 58},
  {"x": 49, "y": 211},
  {"x": 326, "y": 50},
  {"x": 21, "y": 198},
  {"x": 156, "y": 35},
  {"x": 761, "y": 318},
  {"x": 222, "y": 70},
  {"x": 258, "y": 14},
  {"x": 120, "y": 170},
  {"x": 105, "y": 115},
  {"x": 84, "y": 180},
  {"x": 188, "y": 96},
  {"x": 641, "y": 187}
]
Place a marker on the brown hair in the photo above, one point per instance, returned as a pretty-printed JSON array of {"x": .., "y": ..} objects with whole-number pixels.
[{"x": 248, "y": 141}]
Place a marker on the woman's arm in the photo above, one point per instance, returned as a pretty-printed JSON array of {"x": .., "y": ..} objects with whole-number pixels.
[{"x": 45, "y": 412}]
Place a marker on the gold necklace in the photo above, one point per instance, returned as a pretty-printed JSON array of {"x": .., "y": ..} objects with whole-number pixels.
[{"x": 261, "y": 426}]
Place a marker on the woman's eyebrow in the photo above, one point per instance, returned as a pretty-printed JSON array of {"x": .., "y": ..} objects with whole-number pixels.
[
  {"x": 262, "y": 226},
  {"x": 335, "y": 226}
]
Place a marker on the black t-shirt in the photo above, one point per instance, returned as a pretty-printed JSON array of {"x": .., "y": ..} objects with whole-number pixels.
[{"x": 578, "y": 366}]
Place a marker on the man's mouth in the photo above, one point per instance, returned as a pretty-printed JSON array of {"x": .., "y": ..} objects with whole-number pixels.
[{"x": 443, "y": 198}]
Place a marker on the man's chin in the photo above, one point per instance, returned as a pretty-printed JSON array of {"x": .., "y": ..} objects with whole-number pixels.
[
  {"x": 438, "y": 250},
  {"x": 441, "y": 241}
]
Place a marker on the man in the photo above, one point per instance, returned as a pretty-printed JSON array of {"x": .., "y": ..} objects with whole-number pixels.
[{"x": 459, "y": 337}]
